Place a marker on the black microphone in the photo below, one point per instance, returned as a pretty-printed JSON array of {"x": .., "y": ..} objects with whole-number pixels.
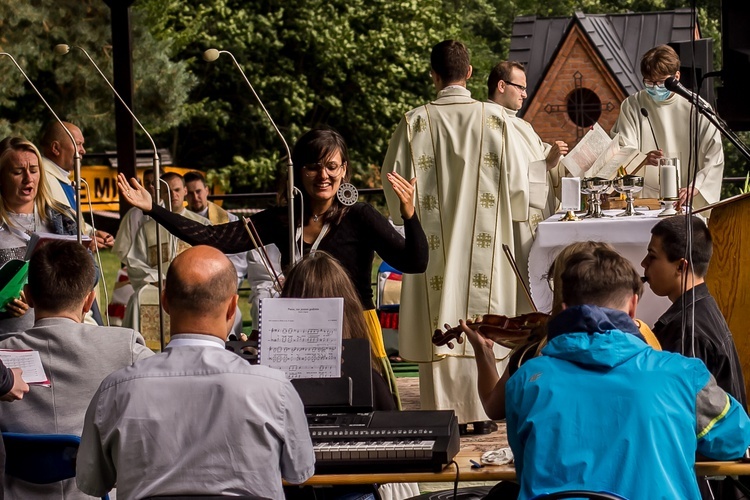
[
  {"x": 644, "y": 112},
  {"x": 76, "y": 155},
  {"x": 674, "y": 85}
]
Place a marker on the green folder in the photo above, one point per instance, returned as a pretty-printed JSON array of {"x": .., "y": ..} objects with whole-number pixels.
[{"x": 13, "y": 276}]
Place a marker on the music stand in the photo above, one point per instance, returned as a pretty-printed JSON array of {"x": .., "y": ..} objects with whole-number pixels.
[{"x": 350, "y": 393}]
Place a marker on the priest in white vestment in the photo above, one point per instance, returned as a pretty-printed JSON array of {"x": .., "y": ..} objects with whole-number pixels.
[
  {"x": 506, "y": 86},
  {"x": 467, "y": 199},
  {"x": 672, "y": 118}
]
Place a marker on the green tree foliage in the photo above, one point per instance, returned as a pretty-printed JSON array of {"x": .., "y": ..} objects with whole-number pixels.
[
  {"x": 29, "y": 30},
  {"x": 355, "y": 65}
]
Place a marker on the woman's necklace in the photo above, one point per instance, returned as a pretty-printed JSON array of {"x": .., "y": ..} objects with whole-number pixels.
[{"x": 316, "y": 217}]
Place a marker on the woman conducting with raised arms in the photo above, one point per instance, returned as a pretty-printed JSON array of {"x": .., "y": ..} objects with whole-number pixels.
[{"x": 350, "y": 231}]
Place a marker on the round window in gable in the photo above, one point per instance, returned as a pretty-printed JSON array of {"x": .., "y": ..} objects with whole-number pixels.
[{"x": 584, "y": 107}]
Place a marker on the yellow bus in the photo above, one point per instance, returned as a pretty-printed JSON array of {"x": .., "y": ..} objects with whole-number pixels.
[{"x": 99, "y": 185}]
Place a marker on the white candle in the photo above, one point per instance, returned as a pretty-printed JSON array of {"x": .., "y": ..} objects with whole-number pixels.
[
  {"x": 571, "y": 193},
  {"x": 668, "y": 181}
]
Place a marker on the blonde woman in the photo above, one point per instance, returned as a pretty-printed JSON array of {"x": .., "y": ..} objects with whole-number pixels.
[{"x": 25, "y": 208}]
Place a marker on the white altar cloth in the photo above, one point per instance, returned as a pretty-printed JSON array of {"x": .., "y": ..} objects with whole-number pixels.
[{"x": 629, "y": 236}]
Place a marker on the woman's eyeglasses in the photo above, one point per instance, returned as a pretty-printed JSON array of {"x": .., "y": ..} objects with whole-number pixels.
[{"x": 331, "y": 167}]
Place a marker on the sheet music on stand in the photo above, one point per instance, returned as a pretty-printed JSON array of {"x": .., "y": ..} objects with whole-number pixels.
[{"x": 301, "y": 337}]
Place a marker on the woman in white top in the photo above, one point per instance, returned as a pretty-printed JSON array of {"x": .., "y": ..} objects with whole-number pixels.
[{"x": 25, "y": 208}]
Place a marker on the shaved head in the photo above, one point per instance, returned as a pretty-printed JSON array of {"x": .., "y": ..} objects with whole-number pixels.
[
  {"x": 57, "y": 147},
  {"x": 200, "y": 281}
]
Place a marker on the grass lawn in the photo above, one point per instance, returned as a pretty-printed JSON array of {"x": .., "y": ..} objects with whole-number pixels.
[{"x": 110, "y": 265}]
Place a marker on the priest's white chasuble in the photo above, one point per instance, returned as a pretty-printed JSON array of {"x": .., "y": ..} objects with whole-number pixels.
[{"x": 467, "y": 198}]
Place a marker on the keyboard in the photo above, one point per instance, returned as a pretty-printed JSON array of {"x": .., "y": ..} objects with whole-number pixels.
[{"x": 383, "y": 441}]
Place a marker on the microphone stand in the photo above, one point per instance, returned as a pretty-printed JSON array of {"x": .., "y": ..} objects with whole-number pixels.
[
  {"x": 211, "y": 55},
  {"x": 715, "y": 120},
  {"x": 64, "y": 49},
  {"x": 728, "y": 133},
  {"x": 76, "y": 154}
]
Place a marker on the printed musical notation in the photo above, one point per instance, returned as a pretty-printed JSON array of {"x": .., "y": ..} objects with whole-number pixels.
[{"x": 302, "y": 337}]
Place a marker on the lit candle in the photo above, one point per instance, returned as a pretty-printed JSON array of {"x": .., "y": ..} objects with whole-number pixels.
[
  {"x": 668, "y": 181},
  {"x": 571, "y": 193}
]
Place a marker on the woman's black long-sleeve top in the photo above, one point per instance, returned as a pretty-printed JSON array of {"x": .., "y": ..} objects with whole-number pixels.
[{"x": 354, "y": 241}]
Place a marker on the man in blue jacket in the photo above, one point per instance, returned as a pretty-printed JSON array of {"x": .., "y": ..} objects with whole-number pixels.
[{"x": 601, "y": 410}]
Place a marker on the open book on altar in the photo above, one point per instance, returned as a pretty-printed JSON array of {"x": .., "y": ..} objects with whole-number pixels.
[{"x": 598, "y": 155}]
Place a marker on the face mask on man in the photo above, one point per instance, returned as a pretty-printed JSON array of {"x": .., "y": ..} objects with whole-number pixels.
[{"x": 658, "y": 93}]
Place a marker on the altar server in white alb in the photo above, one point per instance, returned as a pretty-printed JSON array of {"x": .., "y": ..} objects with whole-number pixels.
[
  {"x": 456, "y": 147},
  {"x": 671, "y": 117},
  {"x": 506, "y": 86}
]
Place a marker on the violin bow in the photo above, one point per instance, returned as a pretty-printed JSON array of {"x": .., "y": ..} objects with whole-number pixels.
[
  {"x": 514, "y": 266},
  {"x": 264, "y": 258}
]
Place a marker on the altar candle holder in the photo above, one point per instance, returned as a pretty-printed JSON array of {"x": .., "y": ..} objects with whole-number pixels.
[{"x": 669, "y": 185}]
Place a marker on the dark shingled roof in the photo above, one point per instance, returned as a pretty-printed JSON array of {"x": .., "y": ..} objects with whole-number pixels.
[{"x": 621, "y": 40}]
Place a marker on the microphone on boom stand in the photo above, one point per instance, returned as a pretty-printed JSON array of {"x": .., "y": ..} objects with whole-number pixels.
[
  {"x": 76, "y": 155},
  {"x": 64, "y": 49},
  {"x": 673, "y": 84},
  {"x": 211, "y": 55}
]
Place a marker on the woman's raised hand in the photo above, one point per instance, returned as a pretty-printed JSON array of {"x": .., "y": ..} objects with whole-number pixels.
[
  {"x": 136, "y": 194},
  {"x": 405, "y": 191}
]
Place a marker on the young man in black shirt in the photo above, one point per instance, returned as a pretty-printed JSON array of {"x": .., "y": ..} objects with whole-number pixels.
[{"x": 693, "y": 326}]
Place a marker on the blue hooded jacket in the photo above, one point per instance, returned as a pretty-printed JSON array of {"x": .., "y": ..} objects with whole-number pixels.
[{"x": 601, "y": 410}]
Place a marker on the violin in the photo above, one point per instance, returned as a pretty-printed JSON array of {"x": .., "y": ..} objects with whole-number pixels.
[{"x": 507, "y": 331}]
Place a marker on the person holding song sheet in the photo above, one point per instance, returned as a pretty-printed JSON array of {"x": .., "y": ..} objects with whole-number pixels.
[
  {"x": 12, "y": 388},
  {"x": 331, "y": 220},
  {"x": 25, "y": 208},
  {"x": 660, "y": 123},
  {"x": 75, "y": 356}
]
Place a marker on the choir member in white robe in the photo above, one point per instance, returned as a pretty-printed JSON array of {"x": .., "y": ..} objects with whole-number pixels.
[
  {"x": 672, "y": 118},
  {"x": 467, "y": 199},
  {"x": 506, "y": 86},
  {"x": 141, "y": 258}
]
